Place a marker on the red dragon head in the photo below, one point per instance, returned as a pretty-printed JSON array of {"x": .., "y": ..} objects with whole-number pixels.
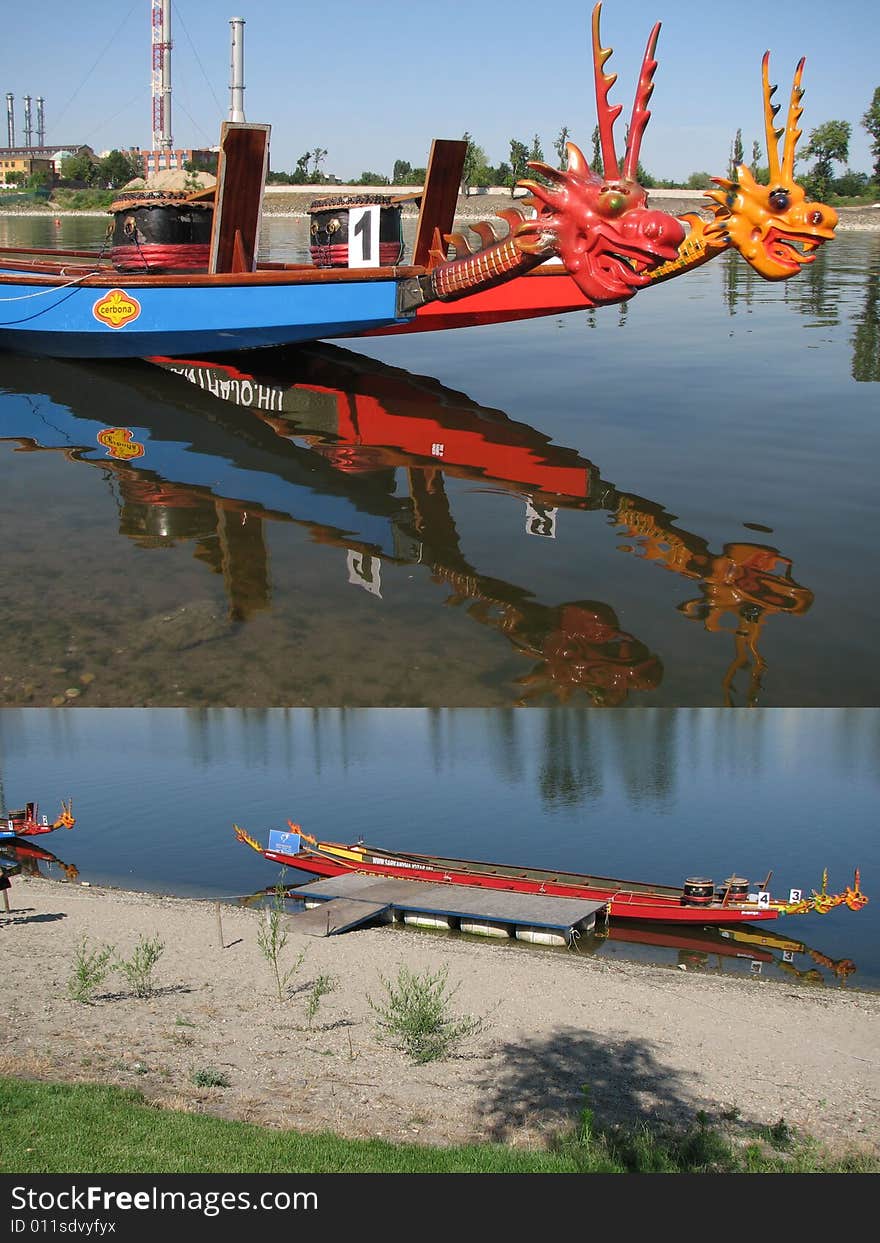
[{"x": 601, "y": 227}]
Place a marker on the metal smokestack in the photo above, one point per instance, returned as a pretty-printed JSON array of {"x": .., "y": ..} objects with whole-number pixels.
[
  {"x": 28, "y": 128},
  {"x": 10, "y": 117},
  {"x": 236, "y": 85},
  {"x": 160, "y": 80},
  {"x": 41, "y": 124}
]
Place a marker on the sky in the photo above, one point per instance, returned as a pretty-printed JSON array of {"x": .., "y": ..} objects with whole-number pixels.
[{"x": 373, "y": 83}]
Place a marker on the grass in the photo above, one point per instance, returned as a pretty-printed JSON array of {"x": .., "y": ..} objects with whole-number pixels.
[{"x": 62, "y": 1128}]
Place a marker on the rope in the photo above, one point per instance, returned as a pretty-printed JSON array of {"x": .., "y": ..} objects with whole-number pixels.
[{"x": 52, "y": 288}]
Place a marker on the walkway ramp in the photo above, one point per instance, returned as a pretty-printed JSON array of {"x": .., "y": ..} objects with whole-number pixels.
[
  {"x": 335, "y": 915},
  {"x": 456, "y": 901}
]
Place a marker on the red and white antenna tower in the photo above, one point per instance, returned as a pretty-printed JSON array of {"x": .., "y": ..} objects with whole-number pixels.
[{"x": 160, "y": 80}]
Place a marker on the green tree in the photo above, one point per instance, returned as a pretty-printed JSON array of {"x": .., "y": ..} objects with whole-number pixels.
[
  {"x": 402, "y": 174},
  {"x": 596, "y": 163},
  {"x": 115, "y": 169},
  {"x": 537, "y": 151},
  {"x": 737, "y": 155},
  {"x": 16, "y": 179},
  {"x": 700, "y": 181},
  {"x": 828, "y": 143},
  {"x": 368, "y": 178},
  {"x": 519, "y": 154},
  {"x": 871, "y": 122},
  {"x": 317, "y": 157},
  {"x": 755, "y": 165},
  {"x": 475, "y": 171},
  {"x": 559, "y": 146},
  {"x": 79, "y": 168}
]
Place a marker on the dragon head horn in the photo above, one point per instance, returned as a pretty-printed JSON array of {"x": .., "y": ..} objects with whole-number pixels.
[
  {"x": 640, "y": 114},
  {"x": 606, "y": 114},
  {"x": 785, "y": 170}
]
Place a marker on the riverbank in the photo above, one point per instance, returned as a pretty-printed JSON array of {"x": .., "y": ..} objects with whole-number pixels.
[
  {"x": 651, "y": 1043},
  {"x": 486, "y": 207}
]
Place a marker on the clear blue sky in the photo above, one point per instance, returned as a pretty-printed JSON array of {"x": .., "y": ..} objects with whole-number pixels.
[{"x": 375, "y": 82}]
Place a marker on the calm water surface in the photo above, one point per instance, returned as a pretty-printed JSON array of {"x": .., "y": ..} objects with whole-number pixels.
[
  {"x": 654, "y": 796},
  {"x": 672, "y": 503}
]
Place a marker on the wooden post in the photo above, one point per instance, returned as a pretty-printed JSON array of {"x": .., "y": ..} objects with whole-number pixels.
[
  {"x": 6, "y": 900},
  {"x": 220, "y": 927}
]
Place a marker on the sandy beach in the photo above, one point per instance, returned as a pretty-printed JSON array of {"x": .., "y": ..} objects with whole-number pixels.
[{"x": 651, "y": 1042}]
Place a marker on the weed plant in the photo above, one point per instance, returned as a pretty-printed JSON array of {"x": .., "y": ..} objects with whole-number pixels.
[
  {"x": 272, "y": 938},
  {"x": 90, "y": 969},
  {"x": 208, "y": 1077},
  {"x": 138, "y": 970},
  {"x": 322, "y": 986},
  {"x": 415, "y": 1015}
]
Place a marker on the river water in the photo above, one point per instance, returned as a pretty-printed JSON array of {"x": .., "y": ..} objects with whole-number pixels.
[{"x": 671, "y": 503}]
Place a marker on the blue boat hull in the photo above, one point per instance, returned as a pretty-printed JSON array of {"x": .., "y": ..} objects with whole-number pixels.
[{"x": 134, "y": 321}]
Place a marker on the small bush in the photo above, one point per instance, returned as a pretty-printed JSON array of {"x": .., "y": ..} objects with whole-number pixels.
[
  {"x": 415, "y": 1014},
  {"x": 138, "y": 970},
  {"x": 210, "y": 1078},
  {"x": 90, "y": 968},
  {"x": 322, "y": 986},
  {"x": 272, "y": 938}
]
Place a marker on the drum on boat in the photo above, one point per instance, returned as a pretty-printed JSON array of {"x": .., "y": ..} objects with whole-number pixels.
[
  {"x": 160, "y": 231},
  {"x": 330, "y": 237},
  {"x": 698, "y": 891}
]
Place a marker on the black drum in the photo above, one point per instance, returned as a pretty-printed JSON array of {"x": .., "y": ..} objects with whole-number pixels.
[
  {"x": 329, "y": 231},
  {"x": 698, "y": 891},
  {"x": 736, "y": 888},
  {"x": 158, "y": 231}
]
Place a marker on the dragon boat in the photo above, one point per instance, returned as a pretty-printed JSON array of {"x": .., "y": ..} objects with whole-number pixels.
[
  {"x": 697, "y": 902},
  {"x": 589, "y": 240},
  {"x": 27, "y": 821}
]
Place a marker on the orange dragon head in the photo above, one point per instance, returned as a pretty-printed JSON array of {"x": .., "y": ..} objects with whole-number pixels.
[{"x": 774, "y": 227}]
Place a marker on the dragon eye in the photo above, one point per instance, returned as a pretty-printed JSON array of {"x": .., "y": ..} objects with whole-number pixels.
[
  {"x": 780, "y": 200},
  {"x": 612, "y": 202}
]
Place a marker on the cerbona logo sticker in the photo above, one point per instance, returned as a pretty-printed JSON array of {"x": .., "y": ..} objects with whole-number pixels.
[
  {"x": 120, "y": 443},
  {"x": 116, "y": 309}
]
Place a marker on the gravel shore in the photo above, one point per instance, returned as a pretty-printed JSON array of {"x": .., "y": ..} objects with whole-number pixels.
[{"x": 650, "y": 1042}]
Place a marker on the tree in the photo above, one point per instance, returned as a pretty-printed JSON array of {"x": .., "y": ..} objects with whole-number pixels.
[
  {"x": 559, "y": 146},
  {"x": 402, "y": 174},
  {"x": 317, "y": 157},
  {"x": 476, "y": 168},
  {"x": 368, "y": 178},
  {"x": 737, "y": 155},
  {"x": 78, "y": 168},
  {"x": 596, "y": 163},
  {"x": 519, "y": 154},
  {"x": 700, "y": 181},
  {"x": 537, "y": 151},
  {"x": 871, "y": 122},
  {"x": 115, "y": 169},
  {"x": 828, "y": 143},
  {"x": 755, "y": 166},
  {"x": 16, "y": 179}
]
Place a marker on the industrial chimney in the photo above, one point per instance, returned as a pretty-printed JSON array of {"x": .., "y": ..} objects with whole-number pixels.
[
  {"x": 236, "y": 85},
  {"x": 160, "y": 81},
  {"x": 28, "y": 128},
  {"x": 41, "y": 123},
  {"x": 10, "y": 117}
]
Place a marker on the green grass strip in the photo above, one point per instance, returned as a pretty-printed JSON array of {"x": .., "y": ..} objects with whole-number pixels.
[{"x": 86, "y": 1129}]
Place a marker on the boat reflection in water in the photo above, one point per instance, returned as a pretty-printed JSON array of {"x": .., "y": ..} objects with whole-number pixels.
[
  {"x": 35, "y": 860},
  {"x": 342, "y": 431}
]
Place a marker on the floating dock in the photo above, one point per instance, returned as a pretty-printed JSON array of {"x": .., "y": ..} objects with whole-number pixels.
[{"x": 339, "y": 903}]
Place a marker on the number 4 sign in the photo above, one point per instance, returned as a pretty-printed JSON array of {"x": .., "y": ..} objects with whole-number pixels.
[{"x": 363, "y": 237}]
